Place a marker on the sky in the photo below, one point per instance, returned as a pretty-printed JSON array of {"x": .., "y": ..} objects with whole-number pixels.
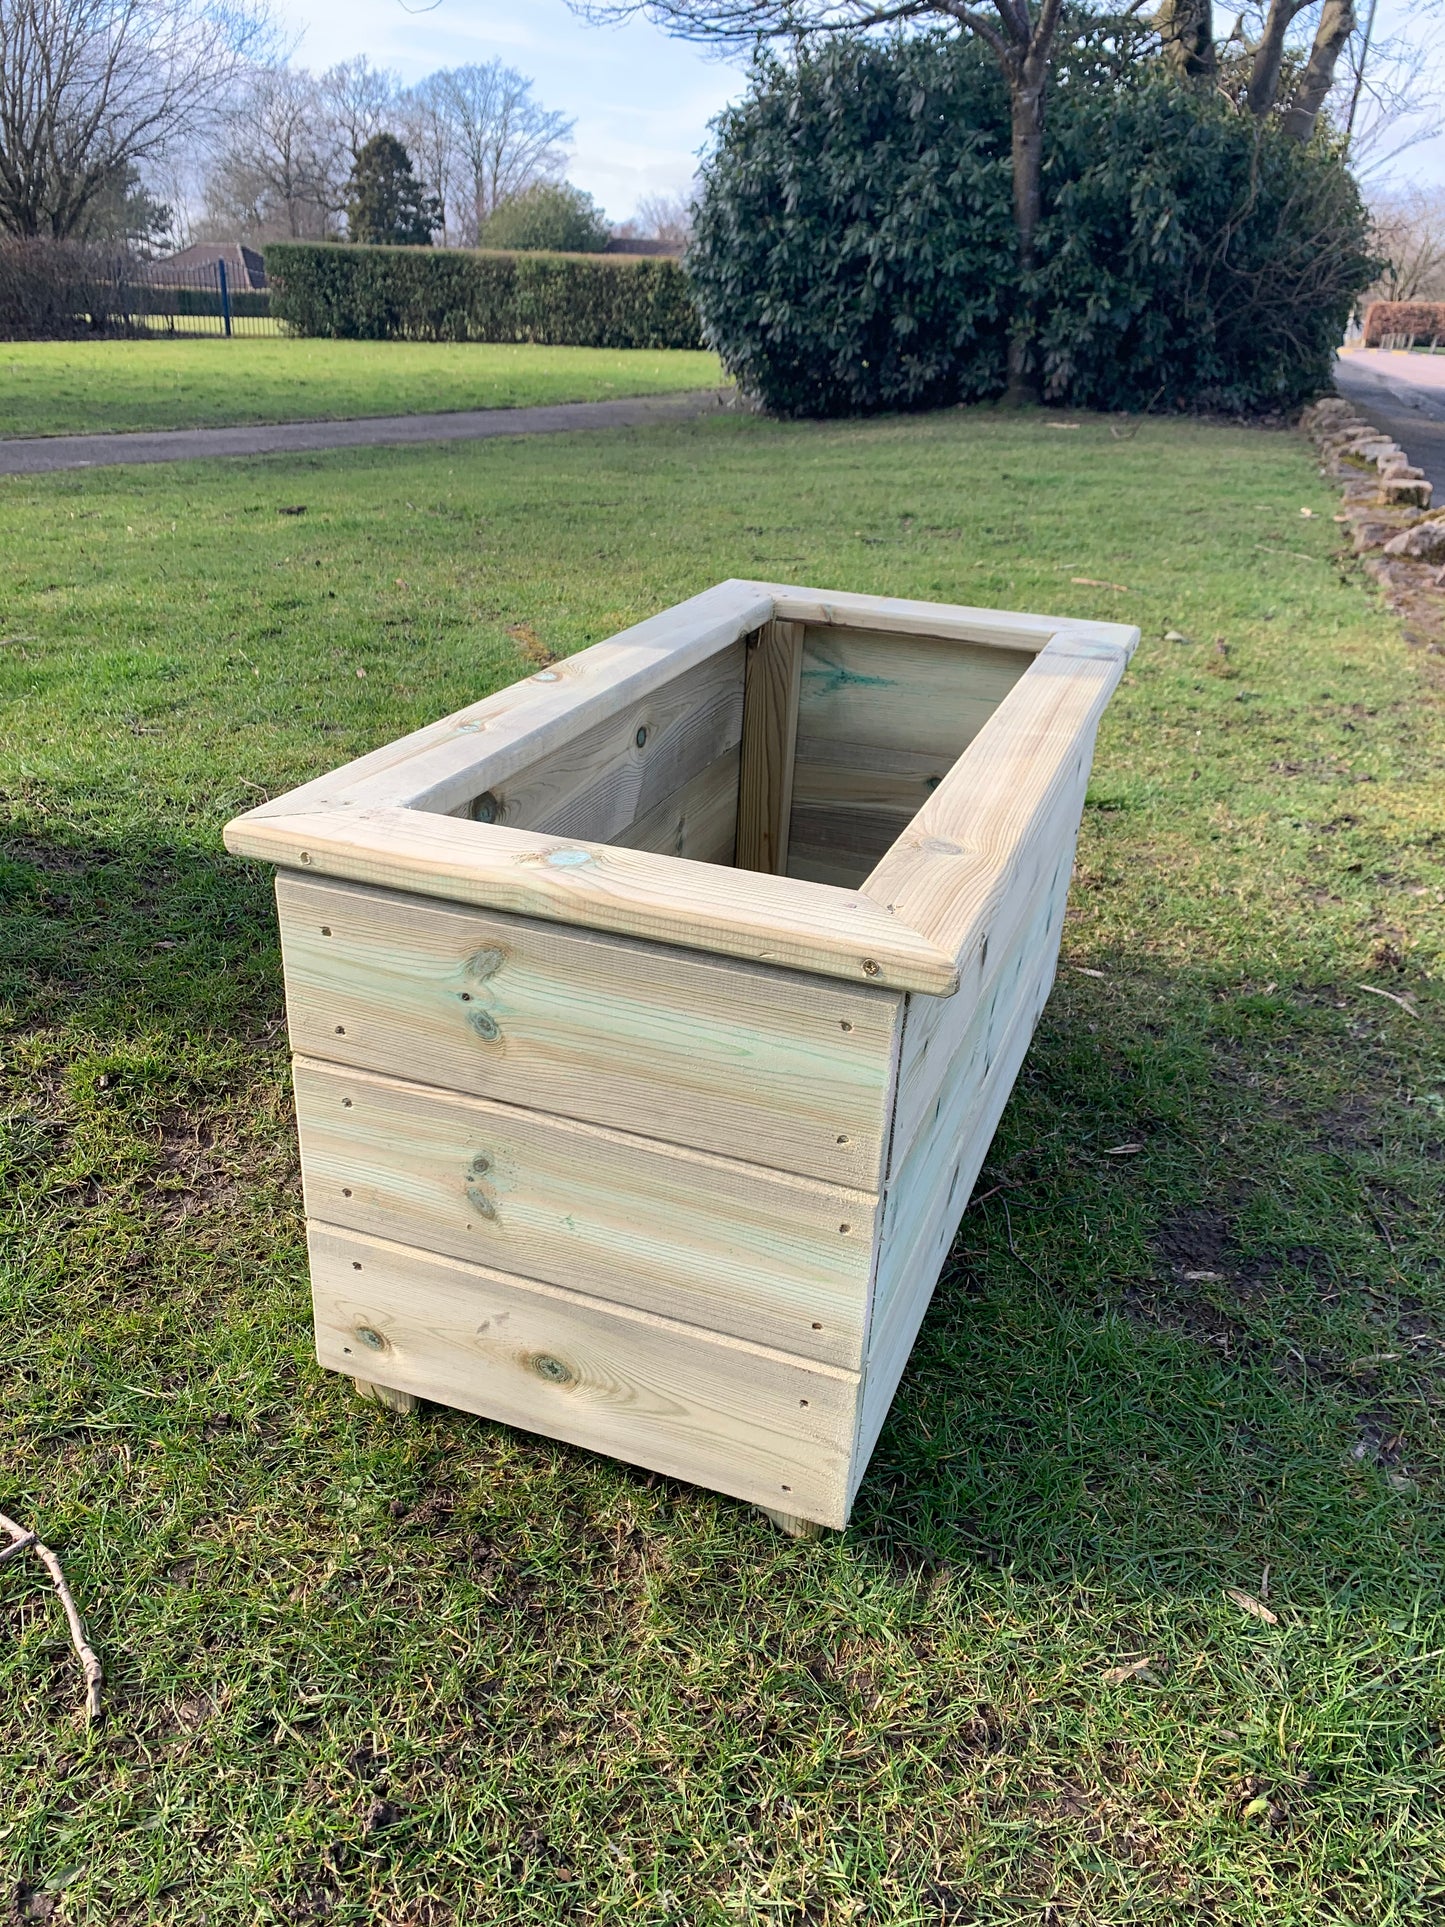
[{"x": 641, "y": 100}]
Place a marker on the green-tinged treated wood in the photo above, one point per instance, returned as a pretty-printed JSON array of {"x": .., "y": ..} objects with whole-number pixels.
[
  {"x": 715, "y": 1244},
  {"x": 770, "y": 734},
  {"x": 633, "y": 893},
  {"x": 693, "y": 1405},
  {"x": 698, "y": 820},
  {"x": 602, "y": 782},
  {"x": 769, "y": 1066},
  {"x": 912, "y": 693}
]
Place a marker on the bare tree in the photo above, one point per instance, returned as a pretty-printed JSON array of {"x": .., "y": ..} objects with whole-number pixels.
[
  {"x": 90, "y": 88},
  {"x": 431, "y": 137},
  {"x": 1410, "y": 234},
  {"x": 362, "y": 101},
  {"x": 280, "y": 171},
  {"x": 666, "y": 217},
  {"x": 504, "y": 141}
]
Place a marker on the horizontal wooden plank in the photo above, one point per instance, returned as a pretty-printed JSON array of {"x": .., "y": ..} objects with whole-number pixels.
[
  {"x": 490, "y": 740},
  {"x": 767, "y": 1066},
  {"x": 729, "y": 1247},
  {"x": 736, "y": 1418},
  {"x": 600, "y": 781},
  {"x": 901, "y": 692},
  {"x": 634, "y": 893},
  {"x": 698, "y": 820},
  {"x": 994, "y": 628}
]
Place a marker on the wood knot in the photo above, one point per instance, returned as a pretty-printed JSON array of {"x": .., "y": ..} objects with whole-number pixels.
[
  {"x": 552, "y": 1369},
  {"x": 485, "y": 1025}
]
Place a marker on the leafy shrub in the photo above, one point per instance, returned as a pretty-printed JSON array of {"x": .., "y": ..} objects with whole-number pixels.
[
  {"x": 57, "y": 290},
  {"x": 854, "y": 248},
  {"x": 449, "y": 294},
  {"x": 849, "y": 249},
  {"x": 553, "y": 217}
]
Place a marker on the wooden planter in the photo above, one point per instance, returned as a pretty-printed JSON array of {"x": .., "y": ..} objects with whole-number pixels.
[{"x": 652, "y": 1018}]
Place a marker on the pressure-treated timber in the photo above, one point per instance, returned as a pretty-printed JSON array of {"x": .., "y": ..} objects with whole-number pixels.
[
  {"x": 755, "y": 1423},
  {"x": 770, "y": 732},
  {"x": 608, "y": 1134},
  {"x": 727, "y": 1246},
  {"x": 768, "y": 1066}
]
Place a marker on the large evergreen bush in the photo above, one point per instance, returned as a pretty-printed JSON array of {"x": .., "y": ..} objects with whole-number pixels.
[{"x": 854, "y": 248}]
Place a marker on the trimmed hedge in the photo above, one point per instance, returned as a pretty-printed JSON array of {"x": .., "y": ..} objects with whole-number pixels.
[
  {"x": 451, "y": 294},
  {"x": 1425, "y": 320}
]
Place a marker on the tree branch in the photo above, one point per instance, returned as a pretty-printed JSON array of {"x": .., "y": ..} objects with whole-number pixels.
[{"x": 21, "y": 1539}]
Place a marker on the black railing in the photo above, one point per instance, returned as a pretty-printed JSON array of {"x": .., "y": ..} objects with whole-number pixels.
[{"x": 197, "y": 298}]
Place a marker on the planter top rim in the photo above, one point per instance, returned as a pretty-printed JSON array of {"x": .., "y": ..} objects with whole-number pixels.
[{"x": 912, "y": 925}]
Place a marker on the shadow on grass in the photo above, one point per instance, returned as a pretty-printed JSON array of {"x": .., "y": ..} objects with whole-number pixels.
[{"x": 1189, "y": 1331}]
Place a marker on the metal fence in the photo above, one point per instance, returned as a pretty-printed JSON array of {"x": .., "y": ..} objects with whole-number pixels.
[{"x": 199, "y": 298}]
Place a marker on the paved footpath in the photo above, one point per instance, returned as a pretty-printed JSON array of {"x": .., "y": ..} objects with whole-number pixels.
[
  {"x": 44, "y": 454},
  {"x": 1403, "y": 394}
]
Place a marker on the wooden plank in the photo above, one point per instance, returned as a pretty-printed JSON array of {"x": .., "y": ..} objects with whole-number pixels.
[
  {"x": 600, "y": 781},
  {"x": 769, "y": 1066},
  {"x": 737, "y": 1418},
  {"x": 770, "y": 728},
  {"x": 931, "y": 1208},
  {"x": 491, "y": 739},
  {"x": 948, "y": 875},
  {"x": 1026, "y": 919},
  {"x": 701, "y": 906},
  {"x": 698, "y": 821},
  {"x": 891, "y": 615},
  {"x": 932, "y": 1180},
  {"x": 729, "y": 1247},
  {"x": 901, "y": 692}
]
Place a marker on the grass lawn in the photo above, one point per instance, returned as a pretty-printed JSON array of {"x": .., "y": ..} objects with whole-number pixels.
[
  {"x": 79, "y": 387},
  {"x": 366, "y": 1669}
]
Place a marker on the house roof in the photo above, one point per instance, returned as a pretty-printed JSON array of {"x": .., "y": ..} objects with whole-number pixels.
[{"x": 245, "y": 268}]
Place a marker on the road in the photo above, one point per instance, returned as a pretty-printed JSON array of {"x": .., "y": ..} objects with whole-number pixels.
[
  {"x": 44, "y": 454},
  {"x": 1404, "y": 394}
]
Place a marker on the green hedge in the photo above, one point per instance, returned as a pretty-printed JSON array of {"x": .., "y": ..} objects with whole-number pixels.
[{"x": 448, "y": 294}]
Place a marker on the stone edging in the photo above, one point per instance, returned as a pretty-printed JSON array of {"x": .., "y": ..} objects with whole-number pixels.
[{"x": 1399, "y": 538}]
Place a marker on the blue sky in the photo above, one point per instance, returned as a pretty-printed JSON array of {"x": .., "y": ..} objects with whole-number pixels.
[{"x": 641, "y": 101}]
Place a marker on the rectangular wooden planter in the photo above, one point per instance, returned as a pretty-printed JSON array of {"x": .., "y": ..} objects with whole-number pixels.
[{"x": 652, "y": 1018}]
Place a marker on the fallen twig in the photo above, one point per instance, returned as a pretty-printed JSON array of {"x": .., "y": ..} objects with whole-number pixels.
[
  {"x": 1407, "y": 1004},
  {"x": 21, "y": 1539}
]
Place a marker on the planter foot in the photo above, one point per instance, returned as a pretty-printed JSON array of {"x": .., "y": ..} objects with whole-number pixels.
[
  {"x": 404, "y": 1402},
  {"x": 790, "y": 1523}
]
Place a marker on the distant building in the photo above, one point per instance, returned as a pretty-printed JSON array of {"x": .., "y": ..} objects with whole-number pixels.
[{"x": 245, "y": 270}]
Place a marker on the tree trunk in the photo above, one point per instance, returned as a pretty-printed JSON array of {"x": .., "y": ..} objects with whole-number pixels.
[
  {"x": 1336, "y": 24},
  {"x": 1186, "y": 34},
  {"x": 1026, "y": 108},
  {"x": 1269, "y": 56}
]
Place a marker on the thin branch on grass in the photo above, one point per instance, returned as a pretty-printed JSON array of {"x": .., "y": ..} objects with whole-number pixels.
[{"x": 22, "y": 1539}]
